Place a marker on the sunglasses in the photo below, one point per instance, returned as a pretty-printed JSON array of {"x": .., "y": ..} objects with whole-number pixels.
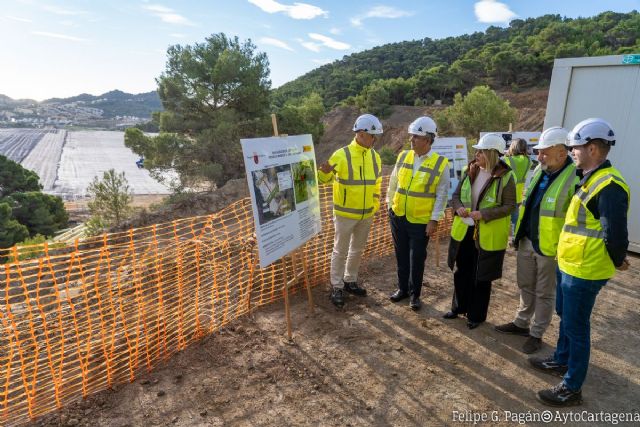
[{"x": 579, "y": 146}]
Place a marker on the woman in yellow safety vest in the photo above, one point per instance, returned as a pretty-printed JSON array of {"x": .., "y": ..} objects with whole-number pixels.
[
  {"x": 517, "y": 158},
  {"x": 483, "y": 202}
]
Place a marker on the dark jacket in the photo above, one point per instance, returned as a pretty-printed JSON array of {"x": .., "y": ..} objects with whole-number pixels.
[{"x": 489, "y": 262}]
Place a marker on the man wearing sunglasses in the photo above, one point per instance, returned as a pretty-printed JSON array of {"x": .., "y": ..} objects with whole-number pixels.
[{"x": 592, "y": 245}]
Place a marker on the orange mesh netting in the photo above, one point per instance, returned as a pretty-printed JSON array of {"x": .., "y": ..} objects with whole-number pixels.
[{"x": 80, "y": 317}]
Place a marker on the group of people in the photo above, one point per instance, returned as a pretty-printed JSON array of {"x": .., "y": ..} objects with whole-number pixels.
[{"x": 569, "y": 229}]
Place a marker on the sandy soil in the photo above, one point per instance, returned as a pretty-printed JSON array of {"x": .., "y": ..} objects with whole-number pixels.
[{"x": 373, "y": 363}]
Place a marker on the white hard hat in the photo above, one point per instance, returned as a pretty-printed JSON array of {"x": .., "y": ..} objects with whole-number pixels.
[
  {"x": 368, "y": 123},
  {"x": 423, "y": 126},
  {"x": 553, "y": 136},
  {"x": 492, "y": 141},
  {"x": 590, "y": 129}
]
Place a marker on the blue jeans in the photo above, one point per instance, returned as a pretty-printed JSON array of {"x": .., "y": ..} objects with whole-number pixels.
[
  {"x": 514, "y": 219},
  {"x": 575, "y": 298}
]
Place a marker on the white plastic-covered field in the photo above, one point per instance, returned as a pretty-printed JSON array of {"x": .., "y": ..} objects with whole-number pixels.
[
  {"x": 44, "y": 158},
  {"x": 67, "y": 162},
  {"x": 15, "y": 144}
]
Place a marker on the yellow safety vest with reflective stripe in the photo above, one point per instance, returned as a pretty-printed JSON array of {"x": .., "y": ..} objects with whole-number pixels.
[
  {"x": 492, "y": 235},
  {"x": 356, "y": 178},
  {"x": 581, "y": 250},
  {"x": 520, "y": 165},
  {"x": 416, "y": 194},
  {"x": 553, "y": 207}
]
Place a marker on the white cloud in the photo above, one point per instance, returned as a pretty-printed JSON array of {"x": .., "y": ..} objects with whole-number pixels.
[
  {"x": 491, "y": 11},
  {"x": 314, "y": 47},
  {"x": 321, "y": 61},
  {"x": 167, "y": 15},
  {"x": 380, "y": 12},
  {"x": 297, "y": 11},
  {"x": 62, "y": 11},
  {"x": 58, "y": 36},
  {"x": 275, "y": 42},
  {"x": 335, "y": 31},
  {"x": 19, "y": 19},
  {"x": 329, "y": 42}
]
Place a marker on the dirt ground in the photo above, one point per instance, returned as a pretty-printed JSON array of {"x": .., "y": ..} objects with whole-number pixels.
[{"x": 374, "y": 363}]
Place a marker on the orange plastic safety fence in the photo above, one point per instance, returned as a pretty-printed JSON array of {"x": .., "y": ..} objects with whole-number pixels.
[{"x": 80, "y": 317}]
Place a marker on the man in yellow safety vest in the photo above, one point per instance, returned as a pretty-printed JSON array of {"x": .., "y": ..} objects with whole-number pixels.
[
  {"x": 592, "y": 245},
  {"x": 417, "y": 197},
  {"x": 356, "y": 173},
  {"x": 536, "y": 235}
]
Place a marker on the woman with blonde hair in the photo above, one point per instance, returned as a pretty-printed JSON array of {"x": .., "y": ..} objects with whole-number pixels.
[{"x": 482, "y": 202}]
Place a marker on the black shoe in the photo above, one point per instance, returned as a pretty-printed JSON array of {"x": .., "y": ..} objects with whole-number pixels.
[
  {"x": 450, "y": 315},
  {"x": 548, "y": 365},
  {"x": 560, "y": 395},
  {"x": 415, "y": 303},
  {"x": 355, "y": 289},
  {"x": 337, "y": 297},
  {"x": 531, "y": 345},
  {"x": 473, "y": 325},
  {"x": 398, "y": 296},
  {"x": 511, "y": 328}
]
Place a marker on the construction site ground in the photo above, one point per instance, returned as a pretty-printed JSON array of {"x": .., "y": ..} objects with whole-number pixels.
[{"x": 375, "y": 363}]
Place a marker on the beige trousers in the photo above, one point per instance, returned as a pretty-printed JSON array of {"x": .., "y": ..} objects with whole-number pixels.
[
  {"x": 536, "y": 275},
  {"x": 348, "y": 246}
]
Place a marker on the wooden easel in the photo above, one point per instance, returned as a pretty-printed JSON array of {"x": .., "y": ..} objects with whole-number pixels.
[{"x": 297, "y": 258}]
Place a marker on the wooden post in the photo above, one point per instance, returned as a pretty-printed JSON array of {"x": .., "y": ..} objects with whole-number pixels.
[
  {"x": 274, "y": 123},
  {"x": 285, "y": 289},
  {"x": 305, "y": 272}
]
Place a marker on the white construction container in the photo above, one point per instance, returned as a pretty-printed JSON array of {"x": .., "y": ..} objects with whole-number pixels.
[{"x": 606, "y": 87}]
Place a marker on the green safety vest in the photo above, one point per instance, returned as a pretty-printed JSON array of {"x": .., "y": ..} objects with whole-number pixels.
[
  {"x": 581, "y": 250},
  {"x": 553, "y": 207},
  {"x": 492, "y": 235},
  {"x": 357, "y": 177},
  {"x": 520, "y": 165},
  {"x": 416, "y": 194}
]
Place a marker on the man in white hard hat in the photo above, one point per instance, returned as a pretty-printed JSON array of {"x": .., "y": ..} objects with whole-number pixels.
[
  {"x": 417, "y": 197},
  {"x": 540, "y": 220},
  {"x": 356, "y": 173},
  {"x": 592, "y": 245}
]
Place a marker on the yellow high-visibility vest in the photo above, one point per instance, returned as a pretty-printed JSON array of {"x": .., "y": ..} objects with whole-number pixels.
[
  {"x": 492, "y": 235},
  {"x": 582, "y": 252},
  {"x": 416, "y": 194},
  {"x": 553, "y": 207},
  {"x": 520, "y": 165},
  {"x": 356, "y": 178}
]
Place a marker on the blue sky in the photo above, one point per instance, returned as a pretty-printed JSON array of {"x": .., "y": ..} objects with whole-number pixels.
[{"x": 66, "y": 47}]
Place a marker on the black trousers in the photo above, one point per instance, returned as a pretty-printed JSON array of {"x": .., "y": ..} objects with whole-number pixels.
[
  {"x": 410, "y": 242},
  {"x": 471, "y": 296}
]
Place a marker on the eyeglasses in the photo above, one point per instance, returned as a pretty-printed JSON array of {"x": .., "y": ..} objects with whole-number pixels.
[{"x": 571, "y": 148}]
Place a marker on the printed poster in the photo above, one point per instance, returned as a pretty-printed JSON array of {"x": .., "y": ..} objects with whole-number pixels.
[
  {"x": 283, "y": 183},
  {"x": 454, "y": 149}
]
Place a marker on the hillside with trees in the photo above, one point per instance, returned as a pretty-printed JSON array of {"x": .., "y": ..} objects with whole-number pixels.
[
  {"x": 26, "y": 213},
  {"x": 219, "y": 90},
  {"x": 420, "y": 71}
]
